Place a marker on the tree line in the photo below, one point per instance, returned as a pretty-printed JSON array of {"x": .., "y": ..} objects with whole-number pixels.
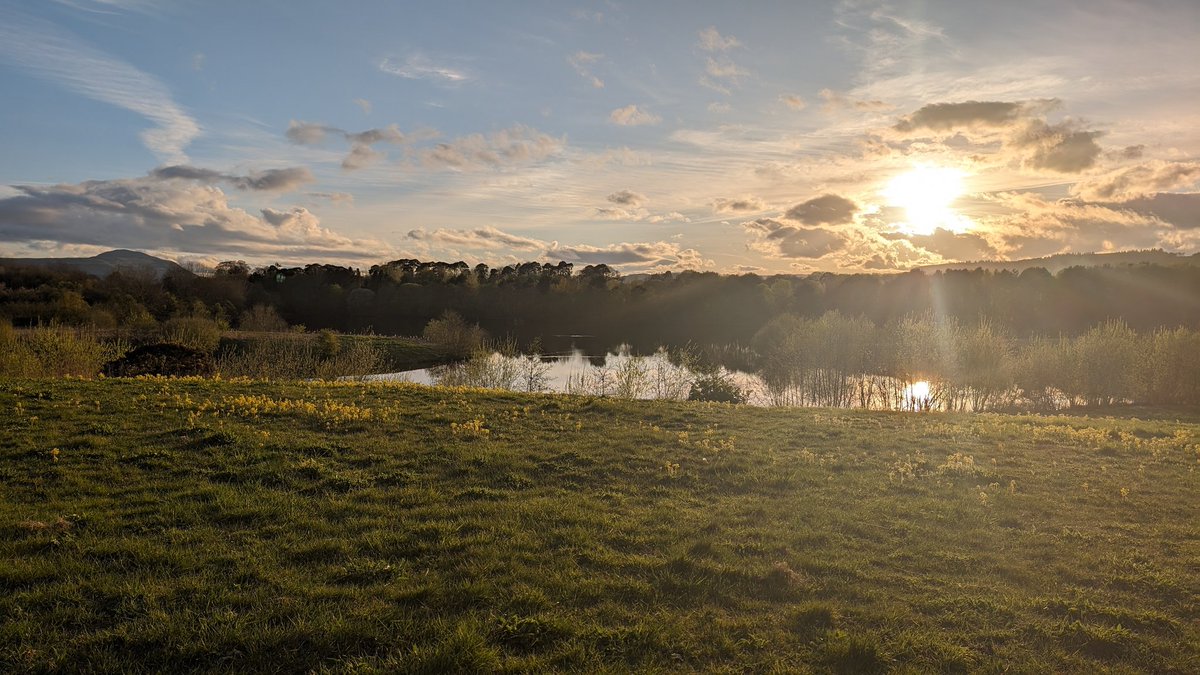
[{"x": 542, "y": 300}]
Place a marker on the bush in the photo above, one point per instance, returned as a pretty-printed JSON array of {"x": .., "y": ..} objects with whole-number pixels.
[
  {"x": 193, "y": 332},
  {"x": 262, "y": 318},
  {"x": 55, "y": 351},
  {"x": 162, "y": 359},
  {"x": 451, "y": 331},
  {"x": 716, "y": 386},
  {"x": 328, "y": 344}
]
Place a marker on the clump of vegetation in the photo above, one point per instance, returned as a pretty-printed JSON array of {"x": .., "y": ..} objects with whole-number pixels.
[
  {"x": 192, "y": 332},
  {"x": 262, "y": 319},
  {"x": 167, "y": 359},
  {"x": 717, "y": 386},
  {"x": 283, "y": 356},
  {"x": 54, "y": 351},
  {"x": 453, "y": 333}
]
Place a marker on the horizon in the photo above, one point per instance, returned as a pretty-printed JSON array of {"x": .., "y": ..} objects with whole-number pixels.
[{"x": 858, "y": 137}]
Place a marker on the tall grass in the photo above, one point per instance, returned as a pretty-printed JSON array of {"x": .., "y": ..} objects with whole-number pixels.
[
  {"x": 289, "y": 356},
  {"x": 55, "y": 351}
]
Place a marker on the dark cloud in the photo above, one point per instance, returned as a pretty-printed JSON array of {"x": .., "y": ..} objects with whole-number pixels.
[
  {"x": 738, "y": 204},
  {"x": 361, "y": 153},
  {"x": 308, "y": 133},
  {"x": 270, "y": 180},
  {"x": 1181, "y": 210},
  {"x": 787, "y": 241},
  {"x": 950, "y": 116},
  {"x": 153, "y": 213},
  {"x": 827, "y": 209},
  {"x": 627, "y": 198},
  {"x": 1020, "y": 127},
  {"x": 1058, "y": 147},
  {"x": 952, "y": 246}
]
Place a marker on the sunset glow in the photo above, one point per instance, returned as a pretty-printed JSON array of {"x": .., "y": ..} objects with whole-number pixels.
[{"x": 926, "y": 194}]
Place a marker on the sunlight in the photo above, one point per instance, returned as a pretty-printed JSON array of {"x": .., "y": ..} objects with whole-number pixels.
[
  {"x": 926, "y": 193},
  {"x": 917, "y": 395}
]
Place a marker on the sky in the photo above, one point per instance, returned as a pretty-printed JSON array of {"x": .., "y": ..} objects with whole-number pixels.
[{"x": 766, "y": 137}]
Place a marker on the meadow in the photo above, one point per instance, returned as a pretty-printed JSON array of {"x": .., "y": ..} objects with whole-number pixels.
[{"x": 206, "y": 525}]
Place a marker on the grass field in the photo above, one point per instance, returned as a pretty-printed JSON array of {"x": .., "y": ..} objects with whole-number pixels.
[{"x": 175, "y": 525}]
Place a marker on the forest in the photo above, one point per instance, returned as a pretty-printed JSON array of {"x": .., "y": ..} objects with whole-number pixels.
[{"x": 541, "y": 300}]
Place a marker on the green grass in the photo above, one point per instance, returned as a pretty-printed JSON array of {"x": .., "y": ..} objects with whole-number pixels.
[{"x": 191, "y": 525}]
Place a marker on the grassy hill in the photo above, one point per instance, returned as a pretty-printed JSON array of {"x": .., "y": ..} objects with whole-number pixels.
[{"x": 158, "y": 525}]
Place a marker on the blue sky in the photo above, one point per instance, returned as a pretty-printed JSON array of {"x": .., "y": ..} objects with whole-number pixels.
[{"x": 659, "y": 135}]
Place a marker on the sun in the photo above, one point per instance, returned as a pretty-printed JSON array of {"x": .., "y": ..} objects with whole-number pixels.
[{"x": 926, "y": 193}]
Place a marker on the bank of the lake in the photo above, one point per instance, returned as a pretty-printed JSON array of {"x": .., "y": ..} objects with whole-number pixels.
[{"x": 170, "y": 525}]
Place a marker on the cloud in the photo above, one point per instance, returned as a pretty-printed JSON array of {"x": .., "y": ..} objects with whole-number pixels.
[
  {"x": 1035, "y": 226},
  {"x": 632, "y": 116},
  {"x": 361, "y": 152},
  {"x": 640, "y": 255},
  {"x": 270, "y": 180},
  {"x": 335, "y": 197},
  {"x": 61, "y": 57},
  {"x": 627, "y": 198},
  {"x": 185, "y": 216},
  {"x": 653, "y": 255},
  {"x": 1138, "y": 181},
  {"x": 827, "y": 209},
  {"x": 581, "y": 61},
  {"x": 951, "y": 116},
  {"x": 713, "y": 41},
  {"x": 738, "y": 204},
  {"x": 360, "y": 156},
  {"x": 419, "y": 67},
  {"x": 835, "y": 101},
  {"x": 308, "y": 133},
  {"x": 793, "y": 101},
  {"x": 507, "y": 147},
  {"x": 952, "y": 246},
  {"x": 1181, "y": 210},
  {"x": 481, "y": 238},
  {"x": 1059, "y": 147},
  {"x": 1020, "y": 127},
  {"x": 778, "y": 240},
  {"x": 364, "y": 104}
]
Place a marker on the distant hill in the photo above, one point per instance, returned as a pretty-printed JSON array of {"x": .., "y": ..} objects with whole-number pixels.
[
  {"x": 103, "y": 264},
  {"x": 1055, "y": 263}
]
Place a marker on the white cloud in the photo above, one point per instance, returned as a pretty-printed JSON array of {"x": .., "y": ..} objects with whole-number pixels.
[
  {"x": 582, "y": 61},
  {"x": 53, "y": 54},
  {"x": 712, "y": 41},
  {"x": 507, "y": 147},
  {"x": 632, "y": 116},
  {"x": 419, "y": 67}
]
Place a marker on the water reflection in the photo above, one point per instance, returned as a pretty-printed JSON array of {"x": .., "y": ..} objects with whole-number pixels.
[{"x": 622, "y": 374}]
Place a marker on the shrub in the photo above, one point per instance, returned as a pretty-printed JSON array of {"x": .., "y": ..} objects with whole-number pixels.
[
  {"x": 262, "y": 318},
  {"x": 328, "y": 344},
  {"x": 716, "y": 386},
  {"x": 193, "y": 332},
  {"x": 55, "y": 351},
  {"x": 451, "y": 331}
]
